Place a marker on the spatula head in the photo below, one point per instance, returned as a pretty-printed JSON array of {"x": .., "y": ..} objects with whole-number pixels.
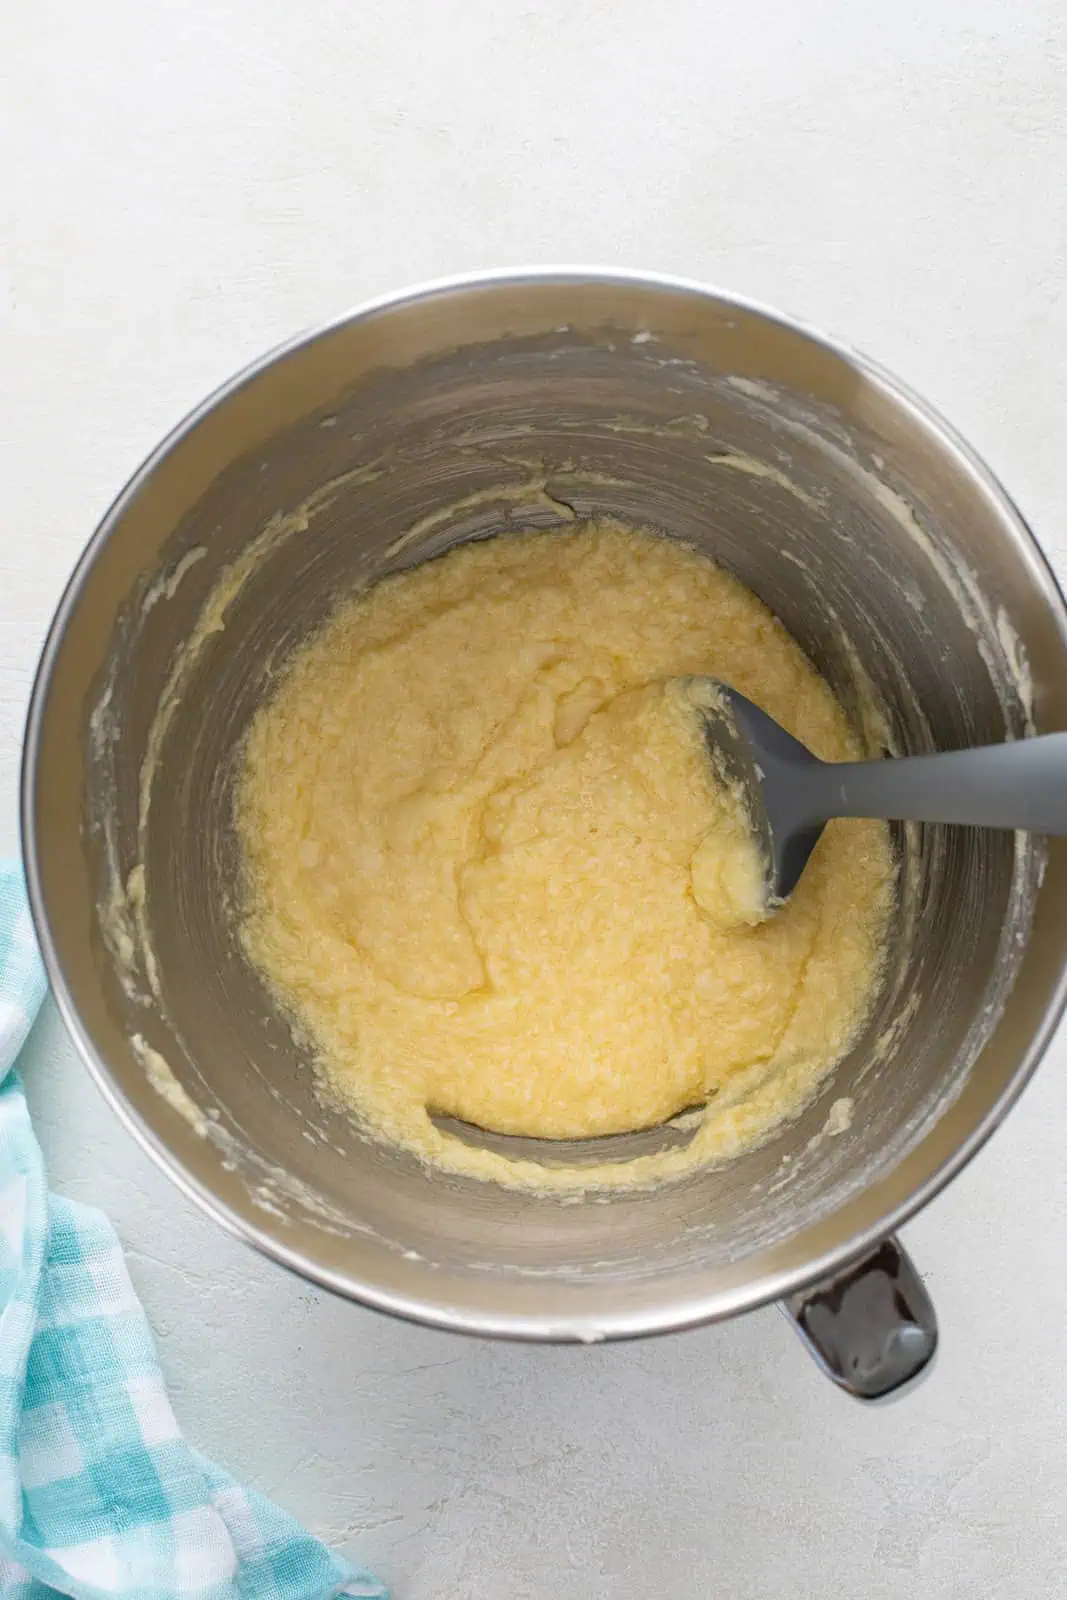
[{"x": 767, "y": 766}]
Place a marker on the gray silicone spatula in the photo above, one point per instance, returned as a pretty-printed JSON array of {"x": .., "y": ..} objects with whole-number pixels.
[{"x": 791, "y": 795}]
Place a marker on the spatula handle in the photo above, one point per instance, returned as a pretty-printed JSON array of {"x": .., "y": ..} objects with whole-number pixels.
[{"x": 1022, "y": 784}]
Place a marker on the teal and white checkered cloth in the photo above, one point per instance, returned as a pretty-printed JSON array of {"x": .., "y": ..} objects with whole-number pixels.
[{"x": 100, "y": 1496}]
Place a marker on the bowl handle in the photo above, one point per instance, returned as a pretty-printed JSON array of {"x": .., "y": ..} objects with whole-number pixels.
[{"x": 871, "y": 1327}]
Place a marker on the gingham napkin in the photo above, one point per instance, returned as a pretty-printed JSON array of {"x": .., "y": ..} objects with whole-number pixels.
[{"x": 100, "y": 1496}]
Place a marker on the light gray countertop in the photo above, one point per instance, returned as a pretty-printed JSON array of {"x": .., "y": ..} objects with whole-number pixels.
[{"x": 185, "y": 186}]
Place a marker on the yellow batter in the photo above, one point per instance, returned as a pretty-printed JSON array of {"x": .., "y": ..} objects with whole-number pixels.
[{"x": 492, "y": 875}]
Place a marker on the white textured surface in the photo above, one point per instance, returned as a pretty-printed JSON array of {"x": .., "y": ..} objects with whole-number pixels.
[{"x": 186, "y": 185}]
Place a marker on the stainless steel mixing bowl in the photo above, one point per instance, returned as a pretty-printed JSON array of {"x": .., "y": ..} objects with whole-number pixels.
[{"x": 446, "y": 414}]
